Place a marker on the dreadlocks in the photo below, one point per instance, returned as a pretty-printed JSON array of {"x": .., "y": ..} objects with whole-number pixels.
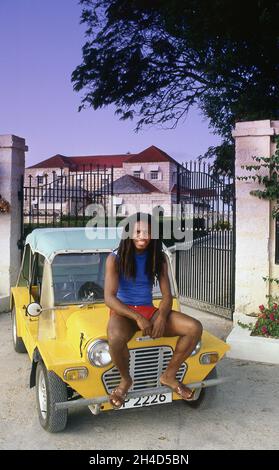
[{"x": 126, "y": 250}]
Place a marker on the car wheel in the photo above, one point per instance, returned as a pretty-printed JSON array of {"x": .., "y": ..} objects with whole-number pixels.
[
  {"x": 19, "y": 345},
  {"x": 50, "y": 389},
  {"x": 206, "y": 395}
]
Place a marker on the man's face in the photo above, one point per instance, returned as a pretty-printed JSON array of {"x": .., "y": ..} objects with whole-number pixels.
[{"x": 141, "y": 235}]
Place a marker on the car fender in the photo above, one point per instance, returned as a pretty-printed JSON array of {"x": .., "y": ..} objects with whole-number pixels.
[
  {"x": 16, "y": 297},
  {"x": 36, "y": 358},
  {"x": 41, "y": 353},
  {"x": 15, "y": 302}
]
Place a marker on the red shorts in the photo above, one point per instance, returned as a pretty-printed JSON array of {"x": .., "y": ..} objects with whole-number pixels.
[{"x": 146, "y": 311}]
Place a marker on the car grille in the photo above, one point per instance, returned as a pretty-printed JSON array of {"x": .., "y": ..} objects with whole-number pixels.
[{"x": 146, "y": 367}]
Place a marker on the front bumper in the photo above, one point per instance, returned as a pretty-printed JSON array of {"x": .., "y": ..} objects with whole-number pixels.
[{"x": 105, "y": 399}]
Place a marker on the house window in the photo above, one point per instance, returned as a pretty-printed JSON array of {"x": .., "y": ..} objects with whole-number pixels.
[
  {"x": 137, "y": 174},
  {"x": 154, "y": 175},
  {"x": 277, "y": 240},
  {"x": 40, "y": 179},
  {"x": 118, "y": 209}
]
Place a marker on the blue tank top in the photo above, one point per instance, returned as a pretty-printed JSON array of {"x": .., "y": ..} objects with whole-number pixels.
[{"x": 136, "y": 291}]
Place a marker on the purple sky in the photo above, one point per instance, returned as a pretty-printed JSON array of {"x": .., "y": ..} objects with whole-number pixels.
[{"x": 40, "y": 46}]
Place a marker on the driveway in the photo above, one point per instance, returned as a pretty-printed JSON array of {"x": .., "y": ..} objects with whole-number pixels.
[{"x": 243, "y": 414}]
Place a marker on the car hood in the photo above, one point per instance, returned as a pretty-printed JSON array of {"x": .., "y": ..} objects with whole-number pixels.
[{"x": 87, "y": 323}]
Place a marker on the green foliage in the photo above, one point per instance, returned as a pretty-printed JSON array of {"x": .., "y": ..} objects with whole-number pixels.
[
  {"x": 222, "y": 225},
  {"x": 268, "y": 321},
  {"x": 249, "y": 326},
  {"x": 223, "y": 155},
  {"x": 267, "y": 324},
  {"x": 154, "y": 60},
  {"x": 271, "y": 279}
]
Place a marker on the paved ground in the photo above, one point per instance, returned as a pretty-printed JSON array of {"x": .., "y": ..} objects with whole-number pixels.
[{"x": 243, "y": 414}]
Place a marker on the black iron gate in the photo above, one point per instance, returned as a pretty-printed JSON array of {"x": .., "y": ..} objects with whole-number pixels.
[
  {"x": 205, "y": 271},
  {"x": 63, "y": 198}
]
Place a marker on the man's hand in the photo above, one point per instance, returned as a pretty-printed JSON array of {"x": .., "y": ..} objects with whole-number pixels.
[
  {"x": 144, "y": 325},
  {"x": 159, "y": 326}
]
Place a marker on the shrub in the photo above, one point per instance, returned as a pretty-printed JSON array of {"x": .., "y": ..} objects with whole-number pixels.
[
  {"x": 267, "y": 324},
  {"x": 268, "y": 321}
]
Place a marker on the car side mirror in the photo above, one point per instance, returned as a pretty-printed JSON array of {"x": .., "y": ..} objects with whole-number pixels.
[{"x": 34, "y": 309}]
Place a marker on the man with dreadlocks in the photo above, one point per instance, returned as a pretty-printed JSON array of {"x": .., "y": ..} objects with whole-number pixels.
[{"x": 130, "y": 275}]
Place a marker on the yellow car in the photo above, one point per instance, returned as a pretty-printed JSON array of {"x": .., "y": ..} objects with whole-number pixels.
[{"x": 60, "y": 319}]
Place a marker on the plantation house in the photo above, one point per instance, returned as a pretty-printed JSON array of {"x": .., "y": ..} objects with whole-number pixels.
[{"x": 147, "y": 178}]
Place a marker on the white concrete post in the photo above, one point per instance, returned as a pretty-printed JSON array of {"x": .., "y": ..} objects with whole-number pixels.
[
  {"x": 252, "y": 218},
  {"x": 255, "y": 242},
  {"x": 12, "y": 163}
]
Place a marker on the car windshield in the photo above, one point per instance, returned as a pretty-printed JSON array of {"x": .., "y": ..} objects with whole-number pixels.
[{"x": 79, "y": 278}]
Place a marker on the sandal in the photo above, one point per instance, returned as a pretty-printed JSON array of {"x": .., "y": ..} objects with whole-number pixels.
[
  {"x": 117, "y": 396},
  {"x": 181, "y": 390}
]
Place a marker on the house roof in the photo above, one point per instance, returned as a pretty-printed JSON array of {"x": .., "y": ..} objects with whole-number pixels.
[
  {"x": 57, "y": 161},
  {"x": 80, "y": 163},
  {"x": 151, "y": 154},
  {"x": 102, "y": 160},
  {"x": 128, "y": 184}
]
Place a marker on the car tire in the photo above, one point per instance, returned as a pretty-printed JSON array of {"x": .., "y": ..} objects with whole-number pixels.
[
  {"x": 207, "y": 395},
  {"x": 50, "y": 389},
  {"x": 18, "y": 343}
]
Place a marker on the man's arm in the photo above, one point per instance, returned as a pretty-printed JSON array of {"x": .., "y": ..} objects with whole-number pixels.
[
  {"x": 166, "y": 302},
  {"x": 165, "y": 305}
]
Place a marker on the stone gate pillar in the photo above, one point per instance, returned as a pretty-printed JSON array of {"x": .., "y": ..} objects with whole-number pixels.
[
  {"x": 12, "y": 164},
  {"x": 255, "y": 239},
  {"x": 252, "y": 138}
]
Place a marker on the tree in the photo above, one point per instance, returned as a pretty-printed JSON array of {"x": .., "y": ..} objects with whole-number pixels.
[{"x": 155, "y": 60}]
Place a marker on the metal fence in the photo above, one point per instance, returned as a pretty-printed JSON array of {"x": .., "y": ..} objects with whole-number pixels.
[
  {"x": 205, "y": 271},
  {"x": 64, "y": 198}
]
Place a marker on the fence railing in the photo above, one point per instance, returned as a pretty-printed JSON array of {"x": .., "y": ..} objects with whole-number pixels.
[
  {"x": 205, "y": 270},
  {"x": 62, "y": 198}
]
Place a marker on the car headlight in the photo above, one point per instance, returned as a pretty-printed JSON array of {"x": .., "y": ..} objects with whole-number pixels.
[
  {"x": 209, "y": 358},
  {"x": 98, "y": 353},
  {"x": 197, "y": 349}
]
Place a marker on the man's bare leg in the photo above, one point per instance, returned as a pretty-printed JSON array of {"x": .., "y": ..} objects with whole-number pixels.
[
  {"x": 120, "y": 331},
  {"x": 189, "y": 331}
]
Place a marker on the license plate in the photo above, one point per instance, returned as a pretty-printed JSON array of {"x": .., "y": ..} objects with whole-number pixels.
[{"x": 149, "y": 400}]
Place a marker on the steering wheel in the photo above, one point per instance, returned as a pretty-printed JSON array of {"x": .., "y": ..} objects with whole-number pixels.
[
  {"x": 64, "y": 291},
  {"x": 89, "y": 291}
]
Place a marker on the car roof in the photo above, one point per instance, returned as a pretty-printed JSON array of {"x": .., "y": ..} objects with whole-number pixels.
[{"x": 51, "y": 241}]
